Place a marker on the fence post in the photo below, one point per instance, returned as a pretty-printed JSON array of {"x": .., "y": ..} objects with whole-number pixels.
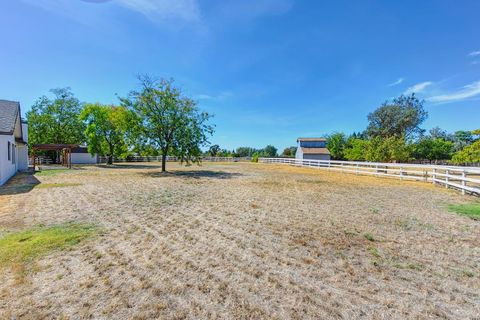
[
  {"x": 434, "y": 176},
  {"x": 376, "y": 170},
  {"x": 446, "y": 178},
  {"x": 401, "y": 173},
  {"x": 464, "y": 183},
  {"x": 356, "y": 171}
]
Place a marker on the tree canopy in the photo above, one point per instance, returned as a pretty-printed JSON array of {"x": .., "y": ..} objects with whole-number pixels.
[
  {"x": 169, "y": 120},
  {"x": 400, "y": 117},
  {"x": 106, "y": 129},
  {"x": 55, "y": 120},
  {"x": 336, "y": 145}
]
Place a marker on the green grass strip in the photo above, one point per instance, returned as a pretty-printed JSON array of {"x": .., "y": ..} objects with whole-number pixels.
[
  {"x": 26, "y": 245},
  {"x": 471, "y": 210}
]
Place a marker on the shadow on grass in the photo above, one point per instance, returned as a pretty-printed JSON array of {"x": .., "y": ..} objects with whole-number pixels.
[
  {"x": 20, "y": 183},
  {"x": 193, "y": 174},
  {"x": 128, "y": 166}
]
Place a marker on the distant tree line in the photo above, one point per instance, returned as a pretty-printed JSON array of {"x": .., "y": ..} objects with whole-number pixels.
[
  {"x": 394, "y": 134},
  {"x": 157, "y": 119}
]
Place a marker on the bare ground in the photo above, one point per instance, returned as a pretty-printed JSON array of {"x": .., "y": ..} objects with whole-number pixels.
[{"x": 243, "y": 240}]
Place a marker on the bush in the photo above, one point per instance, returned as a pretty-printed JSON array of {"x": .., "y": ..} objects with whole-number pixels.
[
  {"x": 470, "y": 153},
  {"x": 255, "y": 157}
]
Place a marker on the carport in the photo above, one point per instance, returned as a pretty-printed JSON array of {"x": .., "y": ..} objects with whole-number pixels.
[{"x": 64, "y": 149}]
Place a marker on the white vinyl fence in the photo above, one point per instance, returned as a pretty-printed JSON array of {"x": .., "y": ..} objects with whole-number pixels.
[{"x": 465, "y": 179}]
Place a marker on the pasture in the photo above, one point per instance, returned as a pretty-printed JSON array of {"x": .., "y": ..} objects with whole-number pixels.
[{"x": 238, "y": 240}]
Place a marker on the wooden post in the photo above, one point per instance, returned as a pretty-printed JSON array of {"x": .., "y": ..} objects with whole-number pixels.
[
  {"x": 464, "y": 183},
  {"x": 356, "y": 171},
  {"x": 401, "y": 173},
  {"x": 434, "y": 176},
  {"x": 446, "y": 178}
]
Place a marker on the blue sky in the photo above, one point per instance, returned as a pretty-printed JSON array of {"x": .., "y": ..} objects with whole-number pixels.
[{"x": 270, "y": 70}]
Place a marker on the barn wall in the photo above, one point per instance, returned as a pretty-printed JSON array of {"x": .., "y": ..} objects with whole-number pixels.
[{"x": 316, "y": 156}]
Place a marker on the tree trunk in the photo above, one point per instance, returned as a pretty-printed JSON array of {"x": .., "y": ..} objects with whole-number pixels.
[
  {"x": 110, "y": 156},
  {"x": 164, "y": 161}
]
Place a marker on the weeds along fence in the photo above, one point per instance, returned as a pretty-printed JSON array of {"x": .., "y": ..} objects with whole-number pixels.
[
  {"x": 172, "y": 159},
  {"x": 464, "y": 179}
]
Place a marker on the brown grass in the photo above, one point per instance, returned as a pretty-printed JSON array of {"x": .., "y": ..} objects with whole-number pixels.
[{"x": 245, "y": 241}]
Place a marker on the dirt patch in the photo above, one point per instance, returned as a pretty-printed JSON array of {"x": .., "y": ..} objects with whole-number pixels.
[{"x": 245, "y": 241}]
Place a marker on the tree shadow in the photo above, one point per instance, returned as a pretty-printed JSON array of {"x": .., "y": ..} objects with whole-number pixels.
[
  {"x": 127, "y": 166},
  {"x": 193, "y": 174},
  {"x": 20, "y": 183}
]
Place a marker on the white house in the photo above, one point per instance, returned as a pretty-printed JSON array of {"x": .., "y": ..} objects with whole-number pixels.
[
  {"x": 13, "y": 140},
  {"x": 312, "y": 149}
]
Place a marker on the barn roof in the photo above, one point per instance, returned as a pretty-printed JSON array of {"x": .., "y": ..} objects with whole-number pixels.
[
  {"x": 9, "y": 111},
  {"x": 315, "y": 151},
  {"x": 311, "y": 139}
]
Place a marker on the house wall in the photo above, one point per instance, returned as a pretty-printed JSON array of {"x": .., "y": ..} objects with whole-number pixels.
[
  {"x": 316, "y": 157},
  {"x": 22, "y": 151},
  {"x": 299, "y": 153},
  {"x": 84, "y": 158},
  {"x": 7, "y": 168}
]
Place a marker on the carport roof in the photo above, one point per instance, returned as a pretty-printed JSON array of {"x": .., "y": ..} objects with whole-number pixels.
[{"x": 54, "y": 146}]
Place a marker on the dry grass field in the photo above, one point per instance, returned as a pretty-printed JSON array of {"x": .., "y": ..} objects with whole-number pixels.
[{"x": 241, "y": 240}]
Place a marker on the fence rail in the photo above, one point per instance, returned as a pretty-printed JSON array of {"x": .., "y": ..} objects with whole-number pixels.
[{"x": 465, "y": 179}]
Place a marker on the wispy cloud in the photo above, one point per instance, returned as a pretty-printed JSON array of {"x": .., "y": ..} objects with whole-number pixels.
[
  {"x": 221, "y": 96},
  {"x": 474, "y": 53},
  {"x": 399, "y": 80},
  {"x": 468, "y": 91},
  {"x": 248, "y": 9},
  {"x": 155, "y": 10},
  {"x": 187, "y": 10},
  {"x": 419, "y": 87}
]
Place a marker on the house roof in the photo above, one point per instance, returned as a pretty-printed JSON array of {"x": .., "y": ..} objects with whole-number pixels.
[
  {"x": 315, "y": 151},
  {"x": 9, "y": 111},
  {"x": 311, "y": 139}
]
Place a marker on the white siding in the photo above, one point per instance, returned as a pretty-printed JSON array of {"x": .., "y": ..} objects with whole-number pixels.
[
  {"x": 7, "y": 168},
  {"x": 84, "y": 158}
]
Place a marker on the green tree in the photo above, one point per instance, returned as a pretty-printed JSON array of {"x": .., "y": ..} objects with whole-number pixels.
[
  {"x": 401, "y": 117},
  {"x": 169, "y": 120},
  {"x": 433, "y": 149},
  {"x": 106, "y": 129},
  {"x": 269, "y": 151},
  {"x": 289, "y": 152},
  {"x": 355, "y": 149},
  {"x": 391, "y": 149},
  {"x": 461, "y": 139},
  {"x": 214, "y": 150},
  {"x": 56, "y": 120},
  {"x": 245, "y": 152},
  {"x": 336, "y": 145},
  {"x": 469, "y": 154}
]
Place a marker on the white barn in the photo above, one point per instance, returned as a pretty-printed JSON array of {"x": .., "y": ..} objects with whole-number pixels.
[
  {"x": 312, "y": 149},
  {"x": 13, "y": 140}
]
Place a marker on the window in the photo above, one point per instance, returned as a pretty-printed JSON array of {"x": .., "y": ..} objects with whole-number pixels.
[
  {"x": 14, "y": 153},
  {"x": 313, "y": 144},
  {"x": 9, "y": 151}
]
